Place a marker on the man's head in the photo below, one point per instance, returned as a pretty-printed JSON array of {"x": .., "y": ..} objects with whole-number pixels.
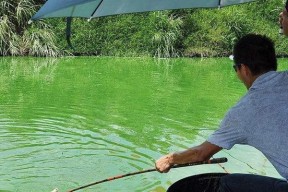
[{"x": 257, "y": 52}]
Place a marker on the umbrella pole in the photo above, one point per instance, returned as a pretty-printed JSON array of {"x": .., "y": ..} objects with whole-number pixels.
[
  {"x": 211, "y": 161},
  {"x": 68, "y": 32}
]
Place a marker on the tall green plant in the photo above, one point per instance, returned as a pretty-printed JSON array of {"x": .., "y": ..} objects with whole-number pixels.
[
  {"x": 19, "y": 38},
  {"x": 168, "y": 31}
]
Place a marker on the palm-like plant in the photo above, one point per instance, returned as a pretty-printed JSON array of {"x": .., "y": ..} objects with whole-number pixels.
[
  {"x": 168, "y": 32},
  {"x": 19, "y": 38}
]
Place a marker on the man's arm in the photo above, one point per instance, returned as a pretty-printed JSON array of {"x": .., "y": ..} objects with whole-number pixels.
[{"x": 201, "y": 152}]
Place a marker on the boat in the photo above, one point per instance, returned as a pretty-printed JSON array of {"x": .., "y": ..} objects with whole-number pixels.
[{"x": 206, "y": 182}]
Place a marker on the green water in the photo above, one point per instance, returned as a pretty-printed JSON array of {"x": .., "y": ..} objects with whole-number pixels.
[{"x": 71, "y": 121}]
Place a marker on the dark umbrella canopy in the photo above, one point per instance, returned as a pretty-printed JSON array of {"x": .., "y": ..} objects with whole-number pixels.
[{"x": 99, "y": 8}]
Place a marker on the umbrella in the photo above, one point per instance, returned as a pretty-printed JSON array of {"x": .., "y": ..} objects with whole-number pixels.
[{"x": 99, "y": 8}]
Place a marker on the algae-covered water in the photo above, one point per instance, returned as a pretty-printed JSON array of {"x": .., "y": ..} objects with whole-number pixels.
[{"x": 67, "y": 122}]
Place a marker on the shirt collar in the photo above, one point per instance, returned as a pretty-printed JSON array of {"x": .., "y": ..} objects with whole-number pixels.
[{"x": 263, "y": 79}]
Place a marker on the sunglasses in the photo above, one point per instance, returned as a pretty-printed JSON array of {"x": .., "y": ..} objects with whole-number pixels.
[{"x": 236, "y": 66}]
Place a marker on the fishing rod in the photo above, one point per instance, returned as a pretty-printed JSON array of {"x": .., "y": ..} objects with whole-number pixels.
[{"x": 211, "y": 161}]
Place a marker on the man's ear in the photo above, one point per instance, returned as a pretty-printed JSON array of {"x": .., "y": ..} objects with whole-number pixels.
[{"x": 247, "y": 72}]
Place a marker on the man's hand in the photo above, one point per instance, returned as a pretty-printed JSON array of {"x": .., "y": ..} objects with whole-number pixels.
[
  {"x": 164, "y": 164},
  {"x": 201, "y": 152}
]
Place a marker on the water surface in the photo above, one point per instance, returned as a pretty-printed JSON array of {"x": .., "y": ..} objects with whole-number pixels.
[{"x": 68, "y": 122}]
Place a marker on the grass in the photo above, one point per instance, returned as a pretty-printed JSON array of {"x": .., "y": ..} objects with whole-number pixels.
[{"x": 17, "y": 38}]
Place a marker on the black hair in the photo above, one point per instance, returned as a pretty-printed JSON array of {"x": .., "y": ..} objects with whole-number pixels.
[{"x": 257, "y": 52}]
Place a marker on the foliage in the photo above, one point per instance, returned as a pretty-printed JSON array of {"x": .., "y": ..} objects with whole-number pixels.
[
  {"x": 168, "y": 32},
  {"x": 213, "y": 32},
  {"x": 144, "y": 34},
  {"x": 188, "y": 32},
  {"x": 17, "y": 37}
]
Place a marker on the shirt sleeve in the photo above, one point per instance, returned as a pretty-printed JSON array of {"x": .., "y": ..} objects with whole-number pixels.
[{"x": 230, "y": 131}]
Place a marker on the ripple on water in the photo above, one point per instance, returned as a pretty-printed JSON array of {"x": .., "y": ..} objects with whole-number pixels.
[{"x": 66, "y": 145}]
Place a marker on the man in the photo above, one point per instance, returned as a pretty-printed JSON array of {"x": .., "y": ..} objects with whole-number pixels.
[
  {"x": 283, "y": 21},
  {"x": 259, "y": 119}
]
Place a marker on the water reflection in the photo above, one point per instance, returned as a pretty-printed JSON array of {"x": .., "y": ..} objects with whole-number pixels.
[
  {"x": 71, "y": 121},
  {"x": 41, "y": 69}
]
